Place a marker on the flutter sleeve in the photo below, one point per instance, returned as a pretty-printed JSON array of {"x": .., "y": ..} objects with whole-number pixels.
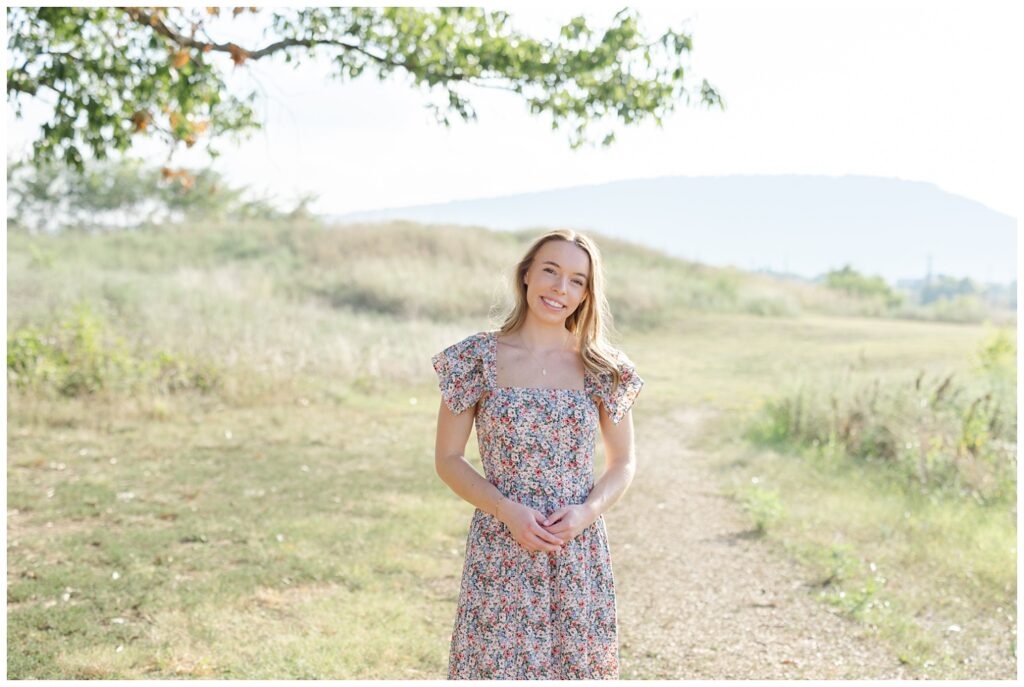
[
  {"x": 460, "y": 373},
  {"x": 618, "y": 403}
]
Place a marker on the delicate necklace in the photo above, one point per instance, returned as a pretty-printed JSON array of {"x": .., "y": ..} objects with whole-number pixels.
[{"x": 543, "y": 366}]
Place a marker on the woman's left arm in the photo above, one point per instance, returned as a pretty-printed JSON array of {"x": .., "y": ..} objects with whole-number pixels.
[{"x": 620, "y": 464}]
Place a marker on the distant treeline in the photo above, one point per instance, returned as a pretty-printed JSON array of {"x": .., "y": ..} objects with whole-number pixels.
[
  {"x": 126, "y": 193},
  {"x": 944, "y": 287},
  {"x": 932, "y": 290}
]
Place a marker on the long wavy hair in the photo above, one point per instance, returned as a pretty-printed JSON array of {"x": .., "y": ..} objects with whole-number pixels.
[{"x": 591, "y": 320}]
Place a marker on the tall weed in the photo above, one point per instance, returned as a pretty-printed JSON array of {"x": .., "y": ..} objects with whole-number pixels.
[{"x": 938, "y": 433}]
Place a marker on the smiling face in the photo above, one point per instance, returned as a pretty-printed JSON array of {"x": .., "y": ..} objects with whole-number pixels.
[{"x": 558, "y": 275}]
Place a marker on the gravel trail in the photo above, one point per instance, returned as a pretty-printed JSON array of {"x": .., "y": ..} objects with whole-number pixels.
[{"x": 701, "y": 597}]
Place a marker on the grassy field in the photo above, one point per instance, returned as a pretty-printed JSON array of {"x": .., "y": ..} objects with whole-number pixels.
[{"x": 225, "y": 466}]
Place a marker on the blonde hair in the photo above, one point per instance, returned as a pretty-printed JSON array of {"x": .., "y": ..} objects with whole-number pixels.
[{"x": 591, "y": 320}]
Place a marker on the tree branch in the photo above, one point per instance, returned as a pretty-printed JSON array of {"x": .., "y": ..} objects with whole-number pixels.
[
  {"x": 234, "y": 49},
  {"x": 160, "y": 27}
]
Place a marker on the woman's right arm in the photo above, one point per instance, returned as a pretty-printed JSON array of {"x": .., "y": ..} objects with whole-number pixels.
[{"x": 455, "y": 471}]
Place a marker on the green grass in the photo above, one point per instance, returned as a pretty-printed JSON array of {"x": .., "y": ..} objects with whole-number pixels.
[
  {"x": 288, "y": 521},
  {"x": 347, "y": 518}
]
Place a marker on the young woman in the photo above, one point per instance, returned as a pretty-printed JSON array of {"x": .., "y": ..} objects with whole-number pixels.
[{"x": 537, "y": 599}]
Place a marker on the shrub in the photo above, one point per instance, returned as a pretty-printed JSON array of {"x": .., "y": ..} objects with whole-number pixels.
[
  {"x": 78, "y": 355},
  {"x": 763, "y": 506}
]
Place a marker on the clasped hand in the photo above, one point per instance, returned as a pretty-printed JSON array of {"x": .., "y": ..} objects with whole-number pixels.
[{"x": 538, "y": 532}]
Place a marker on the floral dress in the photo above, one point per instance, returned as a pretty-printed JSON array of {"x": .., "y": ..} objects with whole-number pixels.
[{"x": 533, "y": 614}]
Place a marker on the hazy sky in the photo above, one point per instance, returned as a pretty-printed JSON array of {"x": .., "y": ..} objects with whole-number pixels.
[{"x": 925, "y": 91}]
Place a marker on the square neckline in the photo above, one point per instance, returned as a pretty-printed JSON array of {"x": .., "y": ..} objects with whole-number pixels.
[{"x": 492, "y": 371}]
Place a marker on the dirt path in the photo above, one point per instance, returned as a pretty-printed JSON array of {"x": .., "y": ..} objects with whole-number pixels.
[{"x": 702, "y": 598}]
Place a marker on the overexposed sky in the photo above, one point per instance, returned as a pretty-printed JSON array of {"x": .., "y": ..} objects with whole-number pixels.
[{"x": 912, "y": 90}]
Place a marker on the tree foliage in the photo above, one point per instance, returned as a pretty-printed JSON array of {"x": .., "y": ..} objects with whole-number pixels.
[
  {"x": 854, "y": 283},
  {"x": 124, "y": 193},
  {"x": 121, "y": 72}
]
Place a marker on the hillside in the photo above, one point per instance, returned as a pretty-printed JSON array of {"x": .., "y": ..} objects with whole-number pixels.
[{"x": 406, "y": 270}]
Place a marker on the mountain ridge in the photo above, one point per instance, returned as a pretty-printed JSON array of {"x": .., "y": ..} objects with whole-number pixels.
[{"x": 806, "y": 224}]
